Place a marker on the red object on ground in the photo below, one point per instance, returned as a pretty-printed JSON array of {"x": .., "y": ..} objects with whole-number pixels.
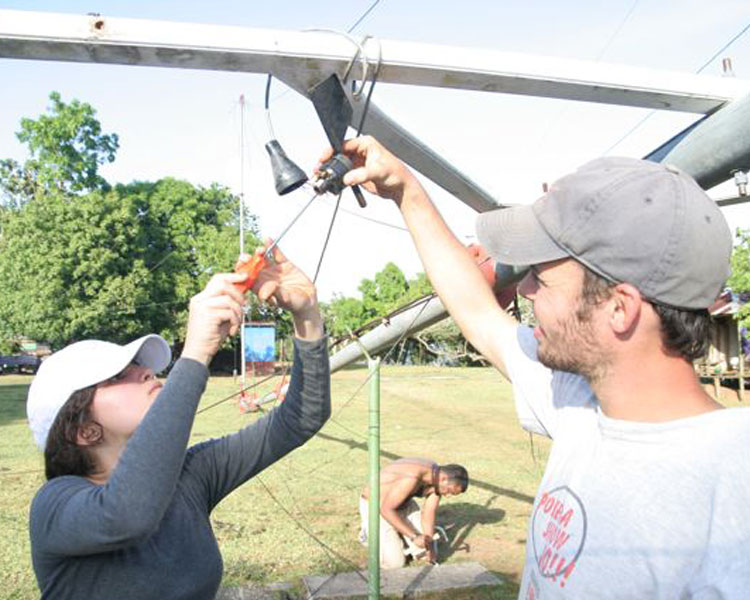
[
  {"x": 248, "y": 404},
  {"x": 252, "y": 267}
]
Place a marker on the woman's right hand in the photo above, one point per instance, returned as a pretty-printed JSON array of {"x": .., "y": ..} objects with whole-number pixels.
[{"x": 215, "y": 313}]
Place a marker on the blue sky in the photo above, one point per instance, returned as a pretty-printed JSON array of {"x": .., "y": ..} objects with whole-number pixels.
[{"x": 187, "y": 123}]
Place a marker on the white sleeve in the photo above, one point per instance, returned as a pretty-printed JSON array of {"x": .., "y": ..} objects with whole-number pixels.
[{"x": 540, "y": 393}]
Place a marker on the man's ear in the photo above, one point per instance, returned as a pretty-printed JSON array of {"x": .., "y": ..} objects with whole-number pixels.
[
  {"x": 625, "y": 306},
  {"x": 89, "y": 434}
]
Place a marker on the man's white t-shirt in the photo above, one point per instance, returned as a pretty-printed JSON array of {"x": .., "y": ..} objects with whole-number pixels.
[{"x": 628, "y": 509}]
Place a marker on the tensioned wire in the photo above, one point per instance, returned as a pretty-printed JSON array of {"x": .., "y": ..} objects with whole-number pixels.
[{"x": 651, "y": 114}]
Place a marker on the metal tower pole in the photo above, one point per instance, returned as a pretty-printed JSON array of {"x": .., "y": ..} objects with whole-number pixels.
[
  {"x": 242, "y": 225},
  {"x": 373, "y": 513}
]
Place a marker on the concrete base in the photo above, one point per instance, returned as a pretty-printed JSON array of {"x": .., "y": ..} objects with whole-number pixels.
[
  {"x": 274, "y": 591},
  {"x": 403, "y": 583}
]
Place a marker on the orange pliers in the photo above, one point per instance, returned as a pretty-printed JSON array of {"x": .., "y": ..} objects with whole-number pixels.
[{"x": 252, "y": 266}]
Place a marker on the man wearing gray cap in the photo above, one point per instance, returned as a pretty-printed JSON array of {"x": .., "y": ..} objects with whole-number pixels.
[{"x": 646, "y": 490}]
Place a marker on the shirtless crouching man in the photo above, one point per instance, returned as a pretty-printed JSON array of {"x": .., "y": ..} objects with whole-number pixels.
[{"x": 402, "y": 524}]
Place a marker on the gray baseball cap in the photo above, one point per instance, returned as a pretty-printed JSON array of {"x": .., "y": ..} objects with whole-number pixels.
[{"x": 629, "y": 220}]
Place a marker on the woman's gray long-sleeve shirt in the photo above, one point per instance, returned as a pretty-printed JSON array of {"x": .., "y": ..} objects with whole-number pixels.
[{"x": 146, "y": 533}]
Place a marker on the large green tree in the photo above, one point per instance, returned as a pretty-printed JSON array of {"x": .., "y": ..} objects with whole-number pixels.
[
  {"x": 344, "y": 315},
  {"x": 66, "y": 148},
  {"x": 382, "y": 294},
  {"x": 112, "y": 264},
  {"x": 739, "y": 281},
  {"x": 79, "y": 258},
  {"x": 388, "y": 291}
]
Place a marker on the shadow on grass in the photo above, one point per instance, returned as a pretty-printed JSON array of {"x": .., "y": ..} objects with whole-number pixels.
[
  {"x": 362, "y": 445},
  {"x": 505, "y": 589},
  {"x": 297, "y": 590},
  {"x": 459, "y": 518},
  {"x": 12, "y": 402}
]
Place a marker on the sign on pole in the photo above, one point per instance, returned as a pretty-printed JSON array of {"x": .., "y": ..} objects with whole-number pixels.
[{"x": 260, "y": 347}]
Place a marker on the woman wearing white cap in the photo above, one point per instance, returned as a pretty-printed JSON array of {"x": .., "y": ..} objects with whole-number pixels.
[{"x": 125, "y": 510}]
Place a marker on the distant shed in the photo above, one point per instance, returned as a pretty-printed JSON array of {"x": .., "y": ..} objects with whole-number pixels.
[{"x": 727, "y": 357}]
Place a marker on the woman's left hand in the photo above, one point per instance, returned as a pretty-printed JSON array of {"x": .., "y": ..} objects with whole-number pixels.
[
  {"x": 215, "y": 313},
  {"x": 281, "y": 283}
]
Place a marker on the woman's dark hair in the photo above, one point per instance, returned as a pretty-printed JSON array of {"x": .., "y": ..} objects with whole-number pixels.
[
  {"x": 684, "y": 332},
  {"x": 62, "y": 453},
  {"x": 456, "y": 474}
]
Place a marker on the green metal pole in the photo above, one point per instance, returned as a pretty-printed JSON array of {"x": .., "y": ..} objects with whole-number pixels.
[
  {"x": 741, "y": 365},
  {"x": 373, "y": 446}
]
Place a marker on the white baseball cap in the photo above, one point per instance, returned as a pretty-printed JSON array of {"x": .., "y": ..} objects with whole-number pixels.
[{"x": 81, "y": 365}]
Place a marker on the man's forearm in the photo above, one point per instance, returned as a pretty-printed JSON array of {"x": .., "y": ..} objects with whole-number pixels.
[
  {"x": 428, "y": 520},
  {"x": 399, "y": 523},
  {"x": 455, "y": 276}
]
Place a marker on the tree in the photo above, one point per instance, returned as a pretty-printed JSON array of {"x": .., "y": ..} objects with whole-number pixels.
[
  {"x": 113, "y": 265},
  {"x": 66, "y": 148},
  {"x": 390, "y": 290},
  {"x": 418, "y": 287},
  {"x": 80, "y": 259},
  {"x": 445, "y": 345},
  {"x": 382, "y": 295},
  {"x": 739, "y": 280},
  {"x": 344, "y": 315}
]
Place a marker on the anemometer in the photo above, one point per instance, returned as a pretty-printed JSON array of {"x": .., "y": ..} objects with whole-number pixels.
[{"x": 335, "y": 112}]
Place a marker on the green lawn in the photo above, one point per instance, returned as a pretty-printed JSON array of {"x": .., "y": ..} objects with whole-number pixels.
[{"x": 300, "y": 516}]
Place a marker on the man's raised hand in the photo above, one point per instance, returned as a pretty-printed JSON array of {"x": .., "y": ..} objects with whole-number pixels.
[{"x": 375, "y": 168}]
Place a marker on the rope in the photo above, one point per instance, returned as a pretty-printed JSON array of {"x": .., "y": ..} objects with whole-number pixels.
[
  {"x": 362, "y": 18},
  {"x": 233, "y": 394},
  {"x": 328, "y": 237},
  {"x": 360, "y": 49},
  {"x": 299, "y": 524}
]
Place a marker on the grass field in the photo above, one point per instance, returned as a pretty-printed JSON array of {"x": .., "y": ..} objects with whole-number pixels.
[{"x": 266, "y": 529}]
